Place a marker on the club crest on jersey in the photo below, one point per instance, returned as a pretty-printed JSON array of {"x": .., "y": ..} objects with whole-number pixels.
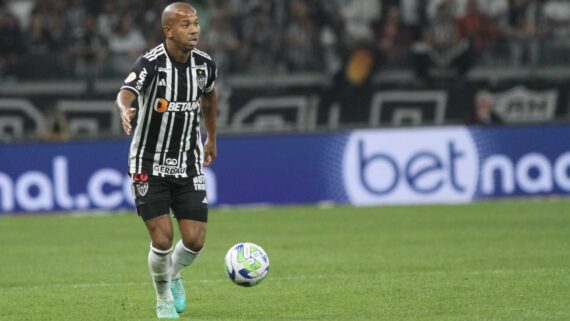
[
  {"x": 142, "y": 188},
  {"x": 201, "y": 78}
]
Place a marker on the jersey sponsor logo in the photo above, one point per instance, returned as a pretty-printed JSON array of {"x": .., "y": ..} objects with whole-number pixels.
[
  {"x": 162, "y": 105},
  {"x": 169, "y": 170},
  {"x": 171, "y": 161},
  {"x": 142, "y": 77},
  {"x": 132, "y": 76}
]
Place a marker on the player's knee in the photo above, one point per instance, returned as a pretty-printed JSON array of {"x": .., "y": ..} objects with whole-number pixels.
[
  {"x": 163, "y": 243},
  {"x": 194, "y": 244}
]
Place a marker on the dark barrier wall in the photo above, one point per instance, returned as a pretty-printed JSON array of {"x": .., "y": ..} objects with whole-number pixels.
[
  {"x": 362, "y": 167},
  {"x": 304, "y": 107}
]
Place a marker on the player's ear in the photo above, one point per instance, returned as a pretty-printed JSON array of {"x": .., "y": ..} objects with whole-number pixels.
[{"x": 167, "y": 31}]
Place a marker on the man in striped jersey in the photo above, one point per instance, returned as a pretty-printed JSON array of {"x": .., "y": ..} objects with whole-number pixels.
[{"x": 171, "y": 83}]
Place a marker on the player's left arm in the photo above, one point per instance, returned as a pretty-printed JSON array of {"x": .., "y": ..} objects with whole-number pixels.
[{"x": 209, "y": 106}]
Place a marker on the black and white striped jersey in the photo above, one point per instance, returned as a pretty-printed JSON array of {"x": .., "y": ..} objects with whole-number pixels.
[{"x": 166, "y": 141}]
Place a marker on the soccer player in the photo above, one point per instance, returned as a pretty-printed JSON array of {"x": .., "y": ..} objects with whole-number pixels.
[{"x": 172, "y": 83}]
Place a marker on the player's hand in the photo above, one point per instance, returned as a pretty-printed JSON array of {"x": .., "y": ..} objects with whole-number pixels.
[
  {"x": 210, "y": 152},
  {"x": 126, "y": 117}
]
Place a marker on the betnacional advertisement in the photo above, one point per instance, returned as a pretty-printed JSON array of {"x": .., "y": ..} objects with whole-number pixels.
[{"x": 441, "y": 165}]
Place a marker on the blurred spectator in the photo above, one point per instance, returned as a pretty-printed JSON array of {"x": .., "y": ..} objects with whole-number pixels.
[
  {"x": 557, "y": 15},
  {"x": 476, "y": 27},
  {"x": 442, "y": 53},
  {"x": 259, "y": 43},
  {"x": 414, "y": 16},
  {"x": 351, "y": 86},
  {"x": 74, "y": 13},
  {"x": 392, "y": 39},
  {"x": 108, "y": 19},
  {"x": 126, "y": 43},
  {"x": 331, "y": 35},
  {"x": 11, "y": 45},
  {"x": 483, "y": 113},
  {"x": 521, "y": 31},
  {"x": 87, "y": 50},
  {"x": 301, "y": 38},
  {"x": 22, "y": 10},
  {"x": 359, "y": 16},
  {"x": 265, "y": 36},
  {"x": 221, "y": 41},
  {"x": 45, "y": 46}
]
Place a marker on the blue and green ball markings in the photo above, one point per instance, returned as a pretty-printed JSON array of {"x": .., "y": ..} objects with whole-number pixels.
[{"x": 247, "y": 264}]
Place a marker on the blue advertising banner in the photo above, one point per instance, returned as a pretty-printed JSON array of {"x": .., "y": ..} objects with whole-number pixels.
[{"x": 362, "y": 167}]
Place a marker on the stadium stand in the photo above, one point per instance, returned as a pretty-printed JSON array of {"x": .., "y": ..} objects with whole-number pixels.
[{"x": 294, "y": 65}]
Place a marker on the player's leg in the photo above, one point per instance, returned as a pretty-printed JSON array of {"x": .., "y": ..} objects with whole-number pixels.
[
  {"x": 152, "y": 197},
  {"x": 185, "y": 252},
  {"x": 159, "y": 256},
  {"x": 193, "y": 235},
  {"x": 191, "y": 210},
  {"x": 160, "y": 264}
]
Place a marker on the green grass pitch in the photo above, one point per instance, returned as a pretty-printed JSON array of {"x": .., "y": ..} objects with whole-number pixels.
[{"x": 487, "y": 261}]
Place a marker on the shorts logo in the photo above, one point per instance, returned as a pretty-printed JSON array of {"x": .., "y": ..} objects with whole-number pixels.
[
  {"x": 201, "y": 78},
  {"x": 200, "y": 184},
  {"x": 142, "y": 188}
]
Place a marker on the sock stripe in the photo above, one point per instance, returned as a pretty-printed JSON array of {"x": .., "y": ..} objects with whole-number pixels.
[
  {"x": 160, "y": 252},
  {"x": 189, "y": 250}
]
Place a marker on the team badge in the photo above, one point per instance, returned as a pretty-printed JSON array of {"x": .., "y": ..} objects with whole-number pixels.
[
  {"x": 141, "y": 182},
  {"x": 201, "y": 78},
  {"x": 142, "y": 188}
]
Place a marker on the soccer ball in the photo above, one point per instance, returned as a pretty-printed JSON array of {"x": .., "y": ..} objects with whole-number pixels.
[{"x": 247, "y": 264}]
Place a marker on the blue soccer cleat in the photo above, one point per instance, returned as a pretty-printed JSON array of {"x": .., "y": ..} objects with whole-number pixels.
[
  {"x": 165, "y": 310},
  {"x": 179, "y": 294}
]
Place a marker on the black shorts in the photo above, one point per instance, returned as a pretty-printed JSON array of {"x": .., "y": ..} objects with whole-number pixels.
[{"x": 156, "y": 196}]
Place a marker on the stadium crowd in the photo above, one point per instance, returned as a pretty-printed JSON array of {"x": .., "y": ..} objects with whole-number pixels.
[{"x": 44, "y": 39}]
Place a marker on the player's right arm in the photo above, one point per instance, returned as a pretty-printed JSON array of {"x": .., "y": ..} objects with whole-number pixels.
[
  {"x": 136, "y": 82},
  {"x": 124, "y": 104}
]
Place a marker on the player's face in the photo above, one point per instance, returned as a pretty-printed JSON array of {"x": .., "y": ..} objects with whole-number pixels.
[{"x": 186, "y": 29}]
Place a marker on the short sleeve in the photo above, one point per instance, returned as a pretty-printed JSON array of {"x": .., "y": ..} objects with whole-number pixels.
[
  {"x": 212, "y": 75},
  {"x": 140, "y": 76}
]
